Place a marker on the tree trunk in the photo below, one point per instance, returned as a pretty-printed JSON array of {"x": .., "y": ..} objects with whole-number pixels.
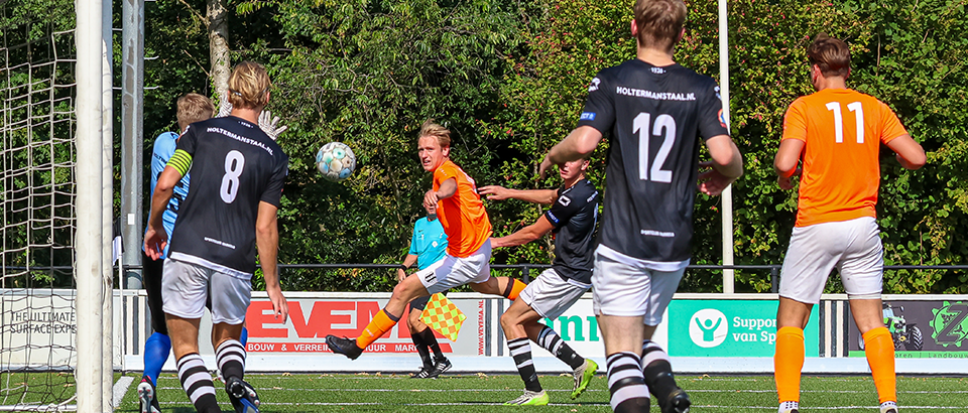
[{"x": 218, "y": 44}]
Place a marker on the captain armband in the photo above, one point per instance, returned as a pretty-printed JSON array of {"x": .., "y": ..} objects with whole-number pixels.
[{"x": 181, "y": 161}]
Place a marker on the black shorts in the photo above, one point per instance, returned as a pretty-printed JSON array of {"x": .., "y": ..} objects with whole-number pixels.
[
  {"x": 151, "y": 271},
  {"x": 419, "y": 303}
]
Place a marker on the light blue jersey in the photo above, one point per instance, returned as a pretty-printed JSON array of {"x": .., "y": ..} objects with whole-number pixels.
[
  {"x": 429, "y": 242},
  {"x": 164, "y": 148}
]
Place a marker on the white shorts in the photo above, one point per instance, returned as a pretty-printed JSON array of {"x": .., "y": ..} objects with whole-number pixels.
[
  {"x": 853, "y": 247},
  {"x": 630, "y": 291},
  {"x": 185, "y": 288},
  {"x": 453, "y": 272},
  {"x": 549, "y": 295}
]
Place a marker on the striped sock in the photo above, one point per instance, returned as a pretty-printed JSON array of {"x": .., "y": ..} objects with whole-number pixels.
[
  {"x": 230, "y": 358},
  {"x": 521, "y": 352},
  {"x": 549, "y": 340},
  {"x": 626, "y": 384},
  {"x": 197, "y": 383},
  {"x": 657, "y": 371}
]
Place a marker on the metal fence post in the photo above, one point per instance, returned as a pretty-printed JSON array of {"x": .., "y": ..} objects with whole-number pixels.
[
  {"x": 525, "y": 274},
  {"x": 774, "y": 279}
]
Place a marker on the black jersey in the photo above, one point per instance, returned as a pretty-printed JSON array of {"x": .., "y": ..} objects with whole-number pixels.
[
  {"x": 235, "y": 165},
  {"x": 655, "y": 117},
  {"x": 574, "y": 216}
]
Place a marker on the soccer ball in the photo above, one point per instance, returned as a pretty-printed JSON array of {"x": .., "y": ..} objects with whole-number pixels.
[{"x": 335, "y": 161}]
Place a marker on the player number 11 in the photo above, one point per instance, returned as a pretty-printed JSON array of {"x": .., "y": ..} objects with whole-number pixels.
[{"x": 858, "y": 110}]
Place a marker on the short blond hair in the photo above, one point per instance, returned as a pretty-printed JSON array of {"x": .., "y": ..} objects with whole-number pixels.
[
  {"x": 659, "y": 22},
  {"x": 830, "y": 54},
  {"x": 249, "y": 86},
  {"x": 429, "y": 128},
  {"x": 193, "y": 108}
]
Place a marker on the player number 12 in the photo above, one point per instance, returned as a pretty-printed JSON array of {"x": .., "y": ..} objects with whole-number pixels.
[
  {"x": 663, "y": 123},
  {"x": 858, "y": 110}
]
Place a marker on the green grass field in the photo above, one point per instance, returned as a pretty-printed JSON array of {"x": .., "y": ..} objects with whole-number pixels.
[{"x": 473, "y": 393}]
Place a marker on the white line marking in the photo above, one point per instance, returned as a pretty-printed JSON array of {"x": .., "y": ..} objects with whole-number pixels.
[
  {"x": 120, "y": 388},
  {"x": 416, "y": 390}
]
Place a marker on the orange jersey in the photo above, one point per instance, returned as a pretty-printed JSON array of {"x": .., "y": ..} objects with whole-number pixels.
[
  {"x": 463, "y": 215},
  {"x": 842, "y": 131}
]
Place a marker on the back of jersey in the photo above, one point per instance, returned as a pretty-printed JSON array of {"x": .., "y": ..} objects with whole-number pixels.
[
  {"x": 654, "y": 116},
  {"x": 234, "y": 167},
  {"x": 842, "y": 131}
]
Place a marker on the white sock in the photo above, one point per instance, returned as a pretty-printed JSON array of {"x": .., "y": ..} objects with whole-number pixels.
[
  {"x": 888, "y": 405},
  {"x": 787, "y": 406}
]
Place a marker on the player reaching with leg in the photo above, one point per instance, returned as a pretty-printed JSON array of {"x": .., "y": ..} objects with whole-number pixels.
[
  {"x": 236, "y": 187},
  {"x": 572, "y": 217},
  {"x": 427, "y": 246},
  {"x": 837, "y": 132},
  {"x": 462, "y": 214},
  {"x": 656, "y": 112}
]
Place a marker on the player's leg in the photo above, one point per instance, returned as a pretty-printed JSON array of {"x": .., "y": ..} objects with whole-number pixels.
[
  {"x": 185, "y": 289},
  {"x": 158, "y": 345},
  {"x": 812, "y": 254},
  {"x": 416, "y": 328},
  {"x": 656, "y": 366},
  {"x": 230, "y": 298},
  {"x": 386, "y": 318},
  {"x": 862, "y": 273},
  {"x": 441, "y": 363},
  {"x": 620, "y": 303},
  {"x": 483, "y": 283},
  {"x": 513, "y": 322}
]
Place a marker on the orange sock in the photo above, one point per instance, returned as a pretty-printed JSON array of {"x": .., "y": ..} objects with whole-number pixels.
[
  {"x": 514, "y": 288},
  {"x": 879, "y": 347},
  {"x": 788, "y": 363},
  {"x": 381, "y": 323}
]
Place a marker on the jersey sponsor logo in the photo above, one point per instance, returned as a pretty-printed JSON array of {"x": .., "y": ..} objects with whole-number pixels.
[
  {"x": 564, "y": 200},
  {"x": 648, "y": 94},
  {"x": 722, "y": 119},
  {"x": 587, "y": 116},
  {"x": 552, "y": 217},
  {"x": 594, "y": 85},
  {"x": 242, "y": 139},
  {"x": 592, "y": 197},
  {"x": 716, "y": 90},
  {"x": 658, "y": 70},
  {"x": 217, "y": 242},
  {"x": 653, "y": 233}
]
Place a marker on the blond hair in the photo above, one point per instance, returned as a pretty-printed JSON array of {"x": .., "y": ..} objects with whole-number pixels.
[
  {"x": 249, "y": 86},
  {"x": 193, "y": 108},
  {"x": 429, "y": 128},
  {"x": 659, "y": 22},
  {"x": 830, "y": 54}
]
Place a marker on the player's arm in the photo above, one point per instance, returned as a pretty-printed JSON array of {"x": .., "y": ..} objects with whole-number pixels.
[
  {"x": 407, "y": 263},
  {"x": 267, "y": 241},
  {"x": 155, "y": 237},
  {"x": 580, "y": 143},
  {"x": 909, "y": 152},
  {"x": 536, "y": 196},
  {"x": 524, "y": 235},
  {"x": 446, "y": 190}
]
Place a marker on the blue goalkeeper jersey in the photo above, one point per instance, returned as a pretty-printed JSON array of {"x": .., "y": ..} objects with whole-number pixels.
[
  {"x": 164, "y": 148},
  {"x": 429, "y": 242}
]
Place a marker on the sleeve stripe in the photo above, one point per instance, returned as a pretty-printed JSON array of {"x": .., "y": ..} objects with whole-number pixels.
[{"x": 181, "y": 161}]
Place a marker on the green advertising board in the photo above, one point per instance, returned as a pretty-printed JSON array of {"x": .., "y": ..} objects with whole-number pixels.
[{"x": 731, "y": 328}]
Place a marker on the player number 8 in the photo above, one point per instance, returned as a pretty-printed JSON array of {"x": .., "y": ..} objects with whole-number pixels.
[{"x": 234, "y": 162}]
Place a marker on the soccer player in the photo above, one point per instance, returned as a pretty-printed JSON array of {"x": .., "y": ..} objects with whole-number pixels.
[
  {"x": 462, "y": 214},
  {"x": 655, "y": 111},
  {"x": 572, "y": 217},
  {"x": 427, "y": 246},
  {"x": 235, "y": 191},
  {"x": 838, "y": 133}
]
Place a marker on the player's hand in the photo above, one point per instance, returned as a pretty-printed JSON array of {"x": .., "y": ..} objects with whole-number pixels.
[
  {"x": 401, "y": 275},
  {"x": 495, "y": 192},
  {"x": 224, "y": 109},
  {"x": 546, "y": 165},
  {"x": 269, "y": 125},
  {"x": 155, "y": 242},
  {"x": 787, "y": 184},
  {"x": 430, "y": 198},
  {"x": 711, "y": 182},
  {"x": 280, "y": 308}
]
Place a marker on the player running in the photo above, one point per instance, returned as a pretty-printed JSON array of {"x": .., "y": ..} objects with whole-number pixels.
[
  {"x": 837, "y": 132},
  {"x": 655, "y": 111},
  {"x": 235, "y": 191},
  {"x": 427, "y": 246},
  {"x": 468, "y": 229},
  {"x": 572, "y": 217}
]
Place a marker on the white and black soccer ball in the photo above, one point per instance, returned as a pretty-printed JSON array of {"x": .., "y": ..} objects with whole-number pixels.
[{"x": 335, "y": 161}]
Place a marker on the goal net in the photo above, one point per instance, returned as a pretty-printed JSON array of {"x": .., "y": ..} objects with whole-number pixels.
[{"x": 37, "y": 205}]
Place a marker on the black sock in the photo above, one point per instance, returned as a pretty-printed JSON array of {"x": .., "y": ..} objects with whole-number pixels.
[
  {"x": 521, "y": 352},
  {"x": 431, "y": 341},
  {"x": 625, "y": 383},
  {"x": 549, "y": 340},
  {"x": 657, "y": 372},
  {"x": 201, "y": 390},
  {"x": 422, "y": 350},
  {"x": 230, "y": 358}
]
